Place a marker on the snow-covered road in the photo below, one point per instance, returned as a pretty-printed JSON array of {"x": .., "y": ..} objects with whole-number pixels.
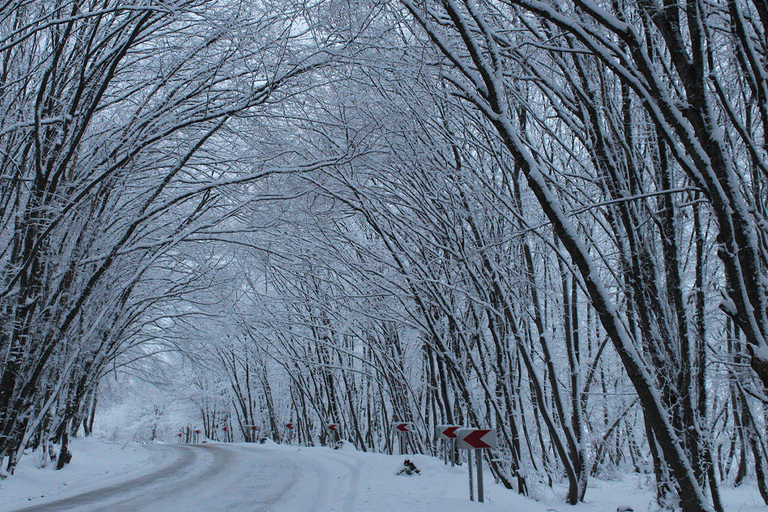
[{"x": 217, "y": 477}]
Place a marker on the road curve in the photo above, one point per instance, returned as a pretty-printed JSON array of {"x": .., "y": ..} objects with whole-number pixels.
[
  {"x": 221, "y": 477},
  {"x": 185, "y": 458}
]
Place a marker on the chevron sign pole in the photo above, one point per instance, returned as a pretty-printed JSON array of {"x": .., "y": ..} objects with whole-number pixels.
[
  {"x": 472, "y": 439},
  {"x": 448, "y": 435},
  {"x": 402, "y": 429},
  {"x": 333, "y": 431}
]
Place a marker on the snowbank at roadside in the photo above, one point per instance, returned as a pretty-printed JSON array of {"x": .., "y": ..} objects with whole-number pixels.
[
  {"x": 440, "y": 488},
  {"x": 94, "y": 463}
]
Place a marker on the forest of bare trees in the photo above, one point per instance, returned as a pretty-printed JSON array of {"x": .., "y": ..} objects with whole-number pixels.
[{"x": 543, "y": 216}]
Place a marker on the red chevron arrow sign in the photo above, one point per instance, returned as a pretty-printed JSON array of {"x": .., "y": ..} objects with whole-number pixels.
[
  {"x": 446, "y": 432},
  {"x": 476, "y": 438},
  {"x": 403, "y": 427},
  {"x": 333, "y": 427}
]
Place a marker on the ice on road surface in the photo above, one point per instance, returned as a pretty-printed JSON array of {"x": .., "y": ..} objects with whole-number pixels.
[{"x": 251, "y": 477}]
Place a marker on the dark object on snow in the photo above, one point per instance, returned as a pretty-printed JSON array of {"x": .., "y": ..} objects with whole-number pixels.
[
  {"x": 625, "y": 509},
  {"x": 262, "y": 440},
  {"x": 409, "y": 468}
]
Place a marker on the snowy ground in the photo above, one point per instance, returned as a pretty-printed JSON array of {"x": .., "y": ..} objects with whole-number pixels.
[{"x": 241, "y": 477}]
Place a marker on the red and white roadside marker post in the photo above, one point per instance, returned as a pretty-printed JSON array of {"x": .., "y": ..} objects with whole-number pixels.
[
  {"x": 197, "y": 435},
  {"x": 226, "y": 433},
  {"x": 402, "y": 429},
  {"x": 253, "y": 429},
  {"x": 473, "y": 439},
  {"x": 448, "y": 434},
  {"x": 180, "y": 435},
  {"x": 289, "y": 429},
  {"x": 333, "y": 431}
]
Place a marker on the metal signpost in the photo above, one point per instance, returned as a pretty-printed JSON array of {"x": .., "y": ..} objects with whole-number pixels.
[
  {"x": 226, "y": 434},
  {"x": 448, "y": 434},
  {"x": 473, "y": 439},
  {"x": 402, "y": 429},
  {"x": 289, "y": 428},
  {"x": 253, "y": 429},
  {"x": 197, "y": 435},
  {"x": 333, "y": 430}
]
